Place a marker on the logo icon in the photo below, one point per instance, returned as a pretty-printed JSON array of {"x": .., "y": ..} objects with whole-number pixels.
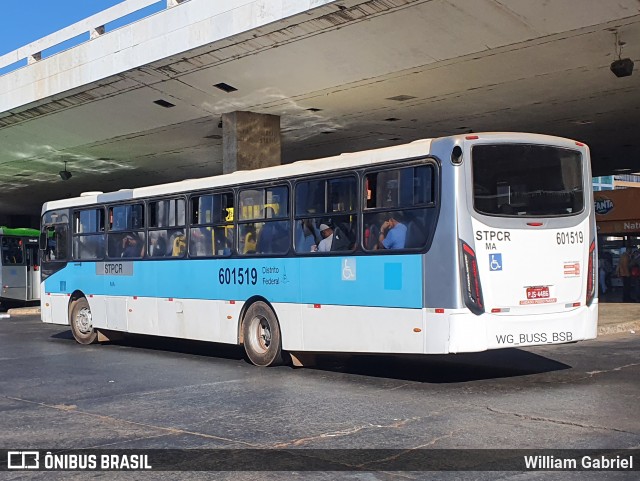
[
  {"x": 495, "y": 262},
  {"x": 603, "y": 206},
  {"x": 23, "y": 460}
]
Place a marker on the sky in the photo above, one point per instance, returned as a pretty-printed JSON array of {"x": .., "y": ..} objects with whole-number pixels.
[{"x": 24, "y": 21}]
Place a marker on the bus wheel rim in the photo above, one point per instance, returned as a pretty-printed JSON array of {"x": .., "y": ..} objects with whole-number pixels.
[
  {"x": 83, "y": 320},
  {"x": 261, "y": 339}
]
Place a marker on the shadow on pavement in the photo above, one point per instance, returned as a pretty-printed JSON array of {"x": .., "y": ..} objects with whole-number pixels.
[
  {"x": 441, "y": 368},
  {"x": 169, "y": 344}
]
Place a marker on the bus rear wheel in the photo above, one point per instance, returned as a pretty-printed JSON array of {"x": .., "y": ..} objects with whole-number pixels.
[
  {"x": 81, "y": 322},
  {"x": 261, "y": 334}
]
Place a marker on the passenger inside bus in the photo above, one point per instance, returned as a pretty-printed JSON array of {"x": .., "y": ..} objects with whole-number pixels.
[
  {"x": 157, "y": 244},
  {"x": 131, "y": 246},
  {"x": 223, "y": 240},
  {"x": 327, "y": 239},
  {"x": 306, "y": 235},
  {"x": 178, "y": 243},
  {"x": 393, "y": 233},
  {"x": 200, "y": 241},
  {"x": 273, "y": 237},
  {"x": 250, "y": 241}
]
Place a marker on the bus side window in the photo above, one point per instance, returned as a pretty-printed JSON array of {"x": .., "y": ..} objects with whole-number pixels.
[
  {"x": 399, "y": 210},
  {"x": 12, "y": 251},
  {"x": 270, "y": 232},
  {"x": 330, "y": 202},
  {"x": 212, "y": 231},
  {"x": 166, "y": 221},
  {"x": 88, "y": 234},
  {"x": 56, "y": 243}
]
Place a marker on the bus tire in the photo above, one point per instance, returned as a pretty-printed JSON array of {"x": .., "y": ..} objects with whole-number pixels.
[
  {"x": 81, "y": 322},
  {"x": 261, "y": 335}
]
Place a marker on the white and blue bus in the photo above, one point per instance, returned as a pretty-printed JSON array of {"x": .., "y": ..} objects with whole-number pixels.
[{"x": 448, "y": 245}]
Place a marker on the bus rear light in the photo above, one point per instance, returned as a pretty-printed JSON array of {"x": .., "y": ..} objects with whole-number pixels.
[
  {"x": 417, "y": 329},
  {"x": 572, "y": 304},
  {"x": 534, "y": 224},
  {"x": 317, "y": 306},
  {"x": 591, "y": 273},
  {"x": 579, "y": 144},
  {"x": 471, "y": 288},
  {"x": 439, "y": 311},
  {"x": 472, "y": 137}
]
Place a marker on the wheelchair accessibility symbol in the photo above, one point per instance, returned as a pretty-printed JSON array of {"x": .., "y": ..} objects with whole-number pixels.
[
  {"x": 349, "y": 269},
  {"x": 495, "y": 262}
]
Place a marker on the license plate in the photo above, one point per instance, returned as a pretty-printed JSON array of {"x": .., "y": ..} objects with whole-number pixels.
[{"x": 538, "y": 292}]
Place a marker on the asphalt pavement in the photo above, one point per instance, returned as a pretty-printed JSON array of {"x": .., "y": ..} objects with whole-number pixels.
[{"x": 156, "y": 393}]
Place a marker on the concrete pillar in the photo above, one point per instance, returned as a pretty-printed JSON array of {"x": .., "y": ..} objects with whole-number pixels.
[{"x": 250, "y": 141}]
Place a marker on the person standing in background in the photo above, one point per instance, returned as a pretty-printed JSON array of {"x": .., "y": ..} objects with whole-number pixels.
[{"x": 623, "y": 272}]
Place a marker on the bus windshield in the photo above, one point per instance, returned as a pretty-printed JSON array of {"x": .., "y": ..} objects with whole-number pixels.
[{"x": 527, "y": 180}]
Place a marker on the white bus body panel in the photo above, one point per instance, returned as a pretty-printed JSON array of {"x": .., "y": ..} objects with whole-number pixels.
[
  {"x": 472, "y": 333},
  {"x": 511, "y": 260},
  {"x": 304, "y": 327},
  {"x": 338, "y": 328},
  {"x": 363, "y": 329}
]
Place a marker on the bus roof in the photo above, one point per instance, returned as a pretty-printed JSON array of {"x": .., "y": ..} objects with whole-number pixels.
[
  {"x": 354, "y": 160},
  {"x": 19, "y": 231}
]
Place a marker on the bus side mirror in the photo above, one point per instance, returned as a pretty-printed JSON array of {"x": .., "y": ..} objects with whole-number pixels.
[{"x": 42, "y": 245}]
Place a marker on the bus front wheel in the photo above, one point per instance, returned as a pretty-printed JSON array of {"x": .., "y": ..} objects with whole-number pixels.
[
  {"x": 261, "y": 335},
  {"x": 81, "y": 322}
]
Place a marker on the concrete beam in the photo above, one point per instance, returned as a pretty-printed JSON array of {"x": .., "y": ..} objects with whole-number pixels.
[
  {"x": 172, "y": 31},
  {"x": 87, "y": 25}
]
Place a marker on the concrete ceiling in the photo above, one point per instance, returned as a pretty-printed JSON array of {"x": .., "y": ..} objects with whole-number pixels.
[{"x": 452, "y": 66}]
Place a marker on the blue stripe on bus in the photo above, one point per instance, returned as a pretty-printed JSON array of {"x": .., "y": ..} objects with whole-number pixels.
[{"x": 385, "y": 281}]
